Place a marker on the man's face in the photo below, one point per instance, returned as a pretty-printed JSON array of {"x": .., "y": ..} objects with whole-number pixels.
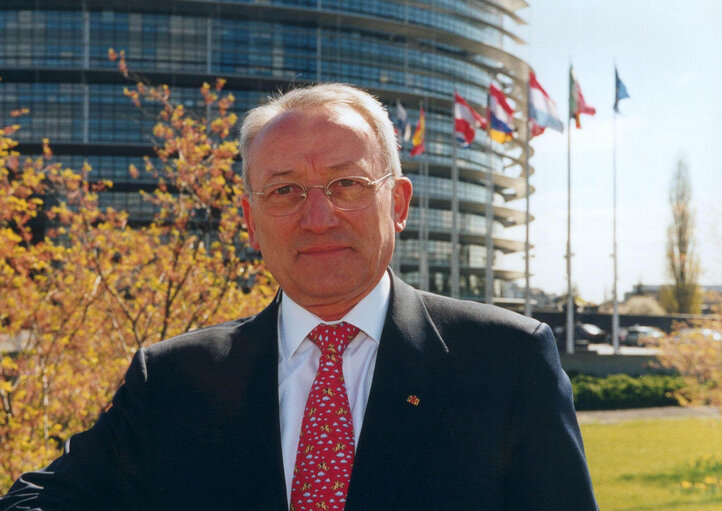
[{"x": 324, "y": 258}]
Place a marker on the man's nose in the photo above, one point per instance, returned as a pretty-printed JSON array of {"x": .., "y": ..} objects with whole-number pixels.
[{"x": 318, "y": 214}]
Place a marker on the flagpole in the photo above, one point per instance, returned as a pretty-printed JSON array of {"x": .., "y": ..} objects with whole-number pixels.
[
  {"x": 396, "y": 257},
  {"x": 615, "y": 303},
  {"x": 527, "y": 274},
  {"x": 455, "y": 277},
  {"x": 620, "y": 92},
  {"x": 489, "y": 271},
  {"x": 425, "y": 245},
  {"x": 423, "y": 211},
  {"x": 570, "y": 297}
]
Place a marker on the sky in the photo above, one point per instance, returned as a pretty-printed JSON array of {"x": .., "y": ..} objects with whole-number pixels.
[{"x": 668, "y": 54}]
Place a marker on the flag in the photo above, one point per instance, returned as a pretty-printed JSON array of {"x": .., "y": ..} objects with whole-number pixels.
[
  {"x": 501, "y": 116},
  {"x": 466, "y": 121},
  {"x": 577, "y": 105},
  {"x": 403, "y": 128},
  {"x": 535, "y": 129},
  {"x": 418, "y": 139},
  {"x": 620, "y": 91},
  {"x": 542, "y": 109}
]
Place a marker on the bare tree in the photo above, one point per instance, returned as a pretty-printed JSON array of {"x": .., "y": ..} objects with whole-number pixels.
[{"x": 682, "y": 263}]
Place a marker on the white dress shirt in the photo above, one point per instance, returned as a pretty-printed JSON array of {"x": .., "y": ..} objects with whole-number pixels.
[{"x": 298, "y": 359}]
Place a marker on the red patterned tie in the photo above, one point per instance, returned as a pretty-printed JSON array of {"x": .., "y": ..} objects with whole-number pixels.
[{"x": 326, "y": 445}]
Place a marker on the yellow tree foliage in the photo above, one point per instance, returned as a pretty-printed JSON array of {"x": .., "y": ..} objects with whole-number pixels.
[
  {"x": 83, "y": 299},
  {"x": 696, "y": 353}
]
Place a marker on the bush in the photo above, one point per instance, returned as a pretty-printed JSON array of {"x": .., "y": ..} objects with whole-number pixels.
[
  {"x": 622, "y": 391},
  {"x": 693, "y": 352}
]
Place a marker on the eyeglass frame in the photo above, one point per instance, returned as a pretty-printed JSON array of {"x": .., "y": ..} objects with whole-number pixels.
[{"x": 304, "y": 194}]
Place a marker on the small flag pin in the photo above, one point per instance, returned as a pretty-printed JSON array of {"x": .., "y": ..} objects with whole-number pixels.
[{"x": 414, "y": 400}]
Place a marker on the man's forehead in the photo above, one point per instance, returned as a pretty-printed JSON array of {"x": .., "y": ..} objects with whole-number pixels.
[
  {"x": 343, "y": 168},
  {"x": 323, "y": 129},
  {"x": 339, "y": 114}
]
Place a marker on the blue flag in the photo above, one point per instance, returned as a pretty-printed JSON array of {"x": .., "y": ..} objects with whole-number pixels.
[{"x": 620, "y": 91}]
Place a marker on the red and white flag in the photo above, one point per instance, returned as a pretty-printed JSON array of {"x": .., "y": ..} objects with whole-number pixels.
[
  {"x": 466, "y": 121},
  {"x": 577, "y": 104}
]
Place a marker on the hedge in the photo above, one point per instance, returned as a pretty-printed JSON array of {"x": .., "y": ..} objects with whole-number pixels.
[{"x": 622, "y": 391}]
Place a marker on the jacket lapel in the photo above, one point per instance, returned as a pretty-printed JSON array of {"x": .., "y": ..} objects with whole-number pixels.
[
  {"x": 259, "y": 478},
  {"x": 402, "y": 402}
]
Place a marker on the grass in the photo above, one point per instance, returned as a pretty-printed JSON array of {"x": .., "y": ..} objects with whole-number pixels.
[{"x": 661, "y": 465}]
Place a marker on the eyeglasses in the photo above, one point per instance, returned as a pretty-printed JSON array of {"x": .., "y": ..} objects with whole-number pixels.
[{"x": 348, "y": 193}]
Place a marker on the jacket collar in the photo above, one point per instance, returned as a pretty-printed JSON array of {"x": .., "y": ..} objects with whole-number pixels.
[{"x": 402, "y": 402}]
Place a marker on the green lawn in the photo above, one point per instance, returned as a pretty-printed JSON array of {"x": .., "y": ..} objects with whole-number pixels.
[{"x": 663, "y": 464}]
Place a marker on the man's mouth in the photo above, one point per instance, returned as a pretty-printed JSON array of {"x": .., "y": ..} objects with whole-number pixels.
[{"x": 320, "y": 250}]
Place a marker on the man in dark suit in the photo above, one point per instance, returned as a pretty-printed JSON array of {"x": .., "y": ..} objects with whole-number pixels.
[{"x": 435, "y": 403}]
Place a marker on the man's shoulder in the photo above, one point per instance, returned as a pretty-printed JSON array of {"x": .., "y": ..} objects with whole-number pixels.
[
  {"x": 200, "y": 358},
  {"x": 480, "y": 335},
  {"x": 211, "y": 343}
]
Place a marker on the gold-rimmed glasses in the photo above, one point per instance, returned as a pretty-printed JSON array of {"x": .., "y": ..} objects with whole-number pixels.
[{"x": 348, "y": 193}]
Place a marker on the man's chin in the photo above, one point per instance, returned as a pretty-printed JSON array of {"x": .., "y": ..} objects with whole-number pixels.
[
  {"x": 328, "y": 289},
  {"x": 332, "y": 288}
]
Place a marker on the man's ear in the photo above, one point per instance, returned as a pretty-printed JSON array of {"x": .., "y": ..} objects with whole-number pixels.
[
  {"x": 403, "y": 190},
  {"x": 250, "y": 224}
]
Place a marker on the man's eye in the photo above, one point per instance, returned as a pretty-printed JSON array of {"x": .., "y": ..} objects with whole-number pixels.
[
  {"x": 347, "y": 183},
  {"x": 282, "y": 190}
]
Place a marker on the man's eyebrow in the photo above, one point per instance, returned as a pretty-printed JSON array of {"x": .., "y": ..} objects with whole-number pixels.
[
  {"x": 280, "y": 173},
  {"x": 338, "y": 167},
  {"x": 346, "y": 165}
]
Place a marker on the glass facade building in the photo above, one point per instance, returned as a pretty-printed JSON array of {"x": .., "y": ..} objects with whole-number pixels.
[{"x": 54, "y": 61}]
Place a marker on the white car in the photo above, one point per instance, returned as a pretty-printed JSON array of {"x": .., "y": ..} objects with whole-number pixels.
[{"x": 637, "y": 335}]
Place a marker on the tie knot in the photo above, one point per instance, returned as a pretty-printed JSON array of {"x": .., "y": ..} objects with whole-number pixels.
[{"x": 333, "y": 339}]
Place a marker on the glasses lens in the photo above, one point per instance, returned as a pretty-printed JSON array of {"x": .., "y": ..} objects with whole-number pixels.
[
  {"x": 350, "y": 193},
  {"x": 281, "y": 198}
]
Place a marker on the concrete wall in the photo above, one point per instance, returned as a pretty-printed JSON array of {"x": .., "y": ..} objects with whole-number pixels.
[{"x": 589, "y": 362}]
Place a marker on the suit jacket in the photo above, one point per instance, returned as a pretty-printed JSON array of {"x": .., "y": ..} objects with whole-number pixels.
[{"x": 196, "y": 423}]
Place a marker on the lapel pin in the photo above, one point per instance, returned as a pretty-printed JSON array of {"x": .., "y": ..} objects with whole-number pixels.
[{"x": 414, "y": 400}]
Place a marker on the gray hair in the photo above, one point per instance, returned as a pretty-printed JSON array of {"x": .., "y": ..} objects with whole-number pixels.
[{"x": 323, "y": 95}]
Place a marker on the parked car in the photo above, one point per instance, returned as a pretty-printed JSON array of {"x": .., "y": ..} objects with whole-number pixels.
[
  {"x": 584, "y": 333},
  {"x": 639, "y": 335},
  {"x": 590, "y": 332}
]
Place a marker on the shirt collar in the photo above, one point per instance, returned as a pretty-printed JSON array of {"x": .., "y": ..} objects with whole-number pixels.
[{"x": 295, "y": 322}]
